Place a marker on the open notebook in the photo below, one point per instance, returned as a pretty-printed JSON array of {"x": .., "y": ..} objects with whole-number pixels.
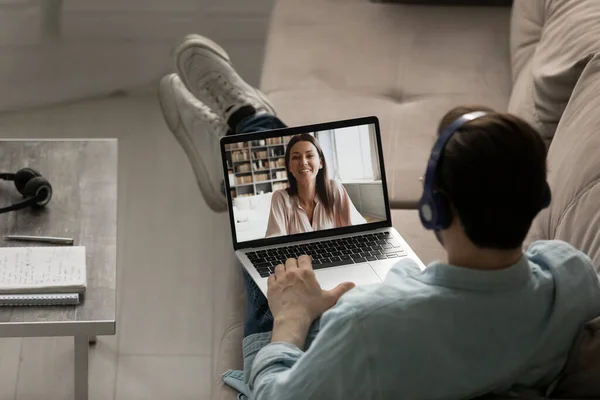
[{"x": 54, "y": 275}]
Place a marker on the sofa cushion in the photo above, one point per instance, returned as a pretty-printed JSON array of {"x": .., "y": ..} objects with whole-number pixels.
[
  {"x": 487, "y": 3},
  {"x": 574, "y": 171},
  {"x": 406, "y": 64},
  {"x": 557, "y": 39},
  {"x": 388, "y": 50},
  {"x": 408, "y": 129}
]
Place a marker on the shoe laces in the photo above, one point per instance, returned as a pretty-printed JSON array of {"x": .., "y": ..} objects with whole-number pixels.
[
  {"x": 216, "y": 127},
  {"x": 219, "y": 88}
]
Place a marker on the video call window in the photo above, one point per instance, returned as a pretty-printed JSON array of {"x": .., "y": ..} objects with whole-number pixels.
[{"x": 342, "y": 165}]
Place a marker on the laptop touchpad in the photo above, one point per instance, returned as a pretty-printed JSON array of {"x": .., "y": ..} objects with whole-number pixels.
[{"x": 359, "y": 274}]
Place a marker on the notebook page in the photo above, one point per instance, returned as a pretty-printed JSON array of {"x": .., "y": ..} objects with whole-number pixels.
[{"x": 57, "y": 269}]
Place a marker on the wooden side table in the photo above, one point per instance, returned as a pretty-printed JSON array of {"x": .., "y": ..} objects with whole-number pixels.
[{"x": 83, "y": 175}]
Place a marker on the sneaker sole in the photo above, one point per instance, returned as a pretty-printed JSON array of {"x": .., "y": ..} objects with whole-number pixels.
[
  {"x": 193, "y": 40},
  {"x": 213, "y": 198}
]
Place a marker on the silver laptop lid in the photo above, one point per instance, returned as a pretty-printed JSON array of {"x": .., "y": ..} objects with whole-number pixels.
[{"x": 261, "y": 187}]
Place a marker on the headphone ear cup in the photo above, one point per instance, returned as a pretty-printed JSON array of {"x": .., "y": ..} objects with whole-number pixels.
[
  {"x": 435, "y": 211},
  {"x": 23, "y": 176},
  {"x": 38, "y": 188},
  {"x": 426, "y": 211}
]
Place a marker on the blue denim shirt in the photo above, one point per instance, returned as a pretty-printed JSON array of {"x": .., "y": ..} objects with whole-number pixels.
[{"x": 445, "y": 332}]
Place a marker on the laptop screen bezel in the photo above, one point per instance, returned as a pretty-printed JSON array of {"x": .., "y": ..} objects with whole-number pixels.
[{"x": 289, "y": 131}]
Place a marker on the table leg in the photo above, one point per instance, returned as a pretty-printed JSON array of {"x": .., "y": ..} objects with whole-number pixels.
[{"x": 81, "y": 367}]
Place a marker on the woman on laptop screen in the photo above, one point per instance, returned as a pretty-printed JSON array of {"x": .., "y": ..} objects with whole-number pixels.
[{"x": 312, "y": 202}]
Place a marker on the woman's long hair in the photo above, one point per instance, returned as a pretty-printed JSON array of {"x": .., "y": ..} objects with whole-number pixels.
[{"x": 323, "y": 186}]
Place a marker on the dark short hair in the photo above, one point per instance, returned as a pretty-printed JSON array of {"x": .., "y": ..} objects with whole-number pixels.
[
  {"x": 323, "y": 186},
  {"x": 493, "y": 171}
]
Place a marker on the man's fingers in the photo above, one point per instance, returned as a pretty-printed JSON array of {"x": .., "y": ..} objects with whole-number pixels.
[
  {"x": 291, "y": 263},
  {"x": 279, "y": 269},
  {"x": 305, "y": 262}
]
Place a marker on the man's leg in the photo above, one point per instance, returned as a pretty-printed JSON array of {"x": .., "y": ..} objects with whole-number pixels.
[
  {"x": 208, "y": 73},
  {"x": 206, "y": 70},
  {"x": 208, "y": 96},
  {"x": 258, "y": 315},
  {"x": 198, "y": 130},
  {"x": 208, "y": 81},
  {"x": 249, "y": 121}
]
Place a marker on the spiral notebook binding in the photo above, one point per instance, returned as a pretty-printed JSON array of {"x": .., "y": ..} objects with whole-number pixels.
[{"x": 55, "y": 299}]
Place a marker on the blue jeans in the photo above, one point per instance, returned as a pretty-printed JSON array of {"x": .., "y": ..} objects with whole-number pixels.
[{"x": 258, "y": 316}]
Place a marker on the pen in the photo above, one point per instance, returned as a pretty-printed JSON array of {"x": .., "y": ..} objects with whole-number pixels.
[{"x": 43, "y": 239}]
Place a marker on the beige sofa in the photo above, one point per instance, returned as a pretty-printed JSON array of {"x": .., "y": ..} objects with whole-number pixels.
[{"x": 408, "y": 65}]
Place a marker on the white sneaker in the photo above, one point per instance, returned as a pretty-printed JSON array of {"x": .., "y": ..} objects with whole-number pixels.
[
  {"x": 206, "y": 70},
  {"x": 198, "y": 131}
]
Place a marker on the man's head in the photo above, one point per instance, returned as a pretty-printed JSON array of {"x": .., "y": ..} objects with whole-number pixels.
[{"x": 493, "y": 174}]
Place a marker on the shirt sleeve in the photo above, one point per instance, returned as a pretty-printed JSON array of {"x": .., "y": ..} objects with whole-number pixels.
[
  {"x": 336, "y": 357},
  {"x": 277, "y": 220}
]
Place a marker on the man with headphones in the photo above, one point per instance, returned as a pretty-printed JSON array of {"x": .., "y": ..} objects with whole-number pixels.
[{"x": 491, "y": 317}]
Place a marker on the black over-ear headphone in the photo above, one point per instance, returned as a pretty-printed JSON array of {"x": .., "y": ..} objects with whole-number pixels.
[{"x": 36, "y": 189}]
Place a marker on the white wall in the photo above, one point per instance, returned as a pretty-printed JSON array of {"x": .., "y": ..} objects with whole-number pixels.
[{"x": 106, "y": 46}]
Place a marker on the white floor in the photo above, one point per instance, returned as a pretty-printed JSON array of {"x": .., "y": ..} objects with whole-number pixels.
[{"x": 100, "y": 47}]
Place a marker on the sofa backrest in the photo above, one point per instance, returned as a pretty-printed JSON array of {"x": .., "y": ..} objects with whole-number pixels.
[
  {"x": 551, "y": 43},
  {"x": 555, "y": 58},
  {"x": 574, "y": 171},
  {"x": 555, "y": 50}
]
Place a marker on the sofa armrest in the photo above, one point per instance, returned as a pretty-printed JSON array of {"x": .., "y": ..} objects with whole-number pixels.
[
  {"x": 227, "y": 353},
  {"x": 229, "y": 307}
]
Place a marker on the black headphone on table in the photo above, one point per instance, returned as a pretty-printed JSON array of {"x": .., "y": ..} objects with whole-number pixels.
[
  {"x": 434, "y": 207},
  {"x": 36, "y": 189}
]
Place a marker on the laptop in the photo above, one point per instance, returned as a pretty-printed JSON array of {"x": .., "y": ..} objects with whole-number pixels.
[{"x": 360, "y": 247}]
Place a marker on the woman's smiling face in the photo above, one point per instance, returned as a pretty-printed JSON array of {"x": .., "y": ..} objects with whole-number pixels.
[{"x": 304, "y": 162}]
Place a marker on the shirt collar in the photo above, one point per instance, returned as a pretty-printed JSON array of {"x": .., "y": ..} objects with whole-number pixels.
[
  {"x": 448, "y": 275},
  {"x": 296, "y": 200}
]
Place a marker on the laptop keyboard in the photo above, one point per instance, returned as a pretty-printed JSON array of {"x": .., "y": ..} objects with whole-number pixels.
[{"x": 331, "y": 253}]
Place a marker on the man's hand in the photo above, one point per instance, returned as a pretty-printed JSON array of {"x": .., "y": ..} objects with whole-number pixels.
[{"x": 296, "y": 299}]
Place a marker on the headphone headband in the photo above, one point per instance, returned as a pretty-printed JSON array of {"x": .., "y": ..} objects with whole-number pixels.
[
  {"x": 29, "y": 202},
  {"x": 432, "y": 213},
  {"x": 440, "y": 144}
]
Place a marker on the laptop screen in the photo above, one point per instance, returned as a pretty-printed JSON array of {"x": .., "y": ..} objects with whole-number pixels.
[{"x": 305, "y": 181}]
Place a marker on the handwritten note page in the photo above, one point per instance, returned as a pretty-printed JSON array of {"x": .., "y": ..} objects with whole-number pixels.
[{"x": 55, "y": 269}]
